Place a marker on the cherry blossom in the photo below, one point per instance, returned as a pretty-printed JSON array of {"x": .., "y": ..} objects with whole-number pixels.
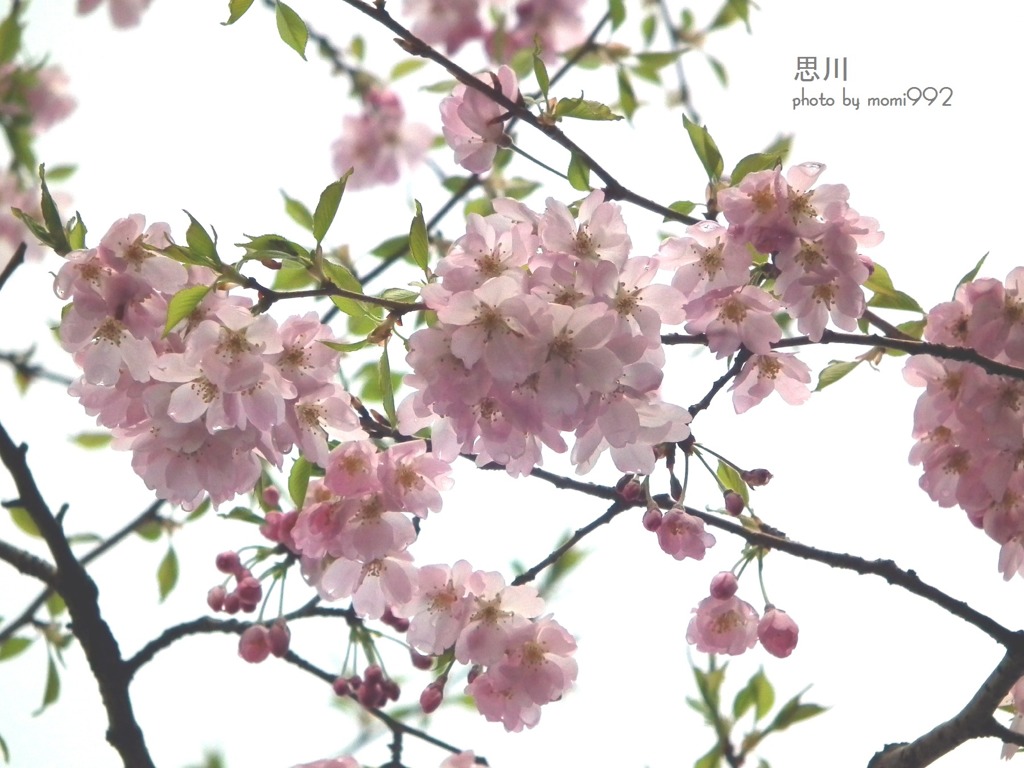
[
  {"x": 473, "y": 124},
  {"x": 124, "y": 13}
]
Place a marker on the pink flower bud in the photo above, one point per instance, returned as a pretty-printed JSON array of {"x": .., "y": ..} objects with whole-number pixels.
[
  {"x": 432, "y": 696},
  {"x": 371, "y": 694},
  {"x": 373, "y": 674},
  {"x": 733, "y": 503},
  {"x": 254, "y": 645},
  {"x": 228, "y": 562},
  {"x": 391, "y": 690},
  {"x": 629, "y": 489},
  {"x": 341, "y": 687},
  {"x": 756, "y": 477},
  {"x": 232, "y": 604},
  {"x": 724, "y": 585},
  {"x": 420, "y": 661},
  {"x": 280, "y": 638},
  {"x": 215, "y": 598},
  {"x": 777, "y": 632},
  {"x": 272, "y": 497},
  {"x": 652, "y": 518},
  {"x": 249, "y": 592}
]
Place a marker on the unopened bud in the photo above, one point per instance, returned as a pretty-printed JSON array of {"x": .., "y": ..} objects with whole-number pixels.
[
  {"x": 420, "y": 661},
  {"x": 228, "y": 562},
  {"x": 652, "y": 519},
  {"x": 254, "y": 645},
  {"x": 280, "y": 638},
  {"x": 432, "y": 696},
  {"x": 341, "y": 687},
  {"x": 733, "y": 503},
  {"x": 215, "y": 598},
  {"x": 724, "y": 585},
  {"x": 756, "y": 477}
]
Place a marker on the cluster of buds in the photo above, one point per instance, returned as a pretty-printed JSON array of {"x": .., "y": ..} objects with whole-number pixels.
[
  {"x": 246, "y": 595},
  {"x": 372, "y": 690},
  {"x": 260, "y": 641}
]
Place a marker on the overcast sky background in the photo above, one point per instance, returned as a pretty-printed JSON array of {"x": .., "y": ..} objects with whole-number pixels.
[{"x": 184, "y": 113}]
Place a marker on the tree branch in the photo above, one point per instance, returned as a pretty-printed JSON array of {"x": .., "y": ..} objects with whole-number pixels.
[
  {"x": 81, "y": 596},
  {"x": 28, "y": 564}
]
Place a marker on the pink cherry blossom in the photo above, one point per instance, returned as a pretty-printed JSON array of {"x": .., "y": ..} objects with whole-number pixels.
[
  {"x": 682, "y": 535},
  {"x": 735, "y": 317},
  {"x": 723, "y": 626},
  {"x": 379, "y": 142},
  {"x": 774, "y": 372},
  {"x": 473, "y": 124},
  {"x": 452, "y": 22}
]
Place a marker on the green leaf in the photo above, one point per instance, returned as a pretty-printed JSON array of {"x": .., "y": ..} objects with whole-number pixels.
[
  {"x": 719, "y": 69},
  {"x": 886, "y": 296},
  {"x": 292, "y": 29},
  {"x": 419, "y": 243},
  {"x": 617, "y": 13},
  {"x": 833, "y": 372},
  {"x": 392, "y": 247},
  {"x": 584, "y": 109},
  {"x": 51, "y": 217},
  {"x": 764, "y": 694},
  {"x": 344, "y": 279},
  {"x": 76, "y": 232},
  {"x": 300, "y": 213},
  {"x": 540, "y": 70},
  {"x": 705, "y": 148},
  {"x": 793, "y": 712},
  {"x": 731, "y": 479},
  {"x": 655, "y": 60},
  {"x": 759, "y": 161},
  {"x": 732, "y": 10},
  {"x": 387, "y": 386},
  {"x": 202, "y": 509},
  {"x": 327, "y": 206},
  {"x": 972, "y": 274},
  {"x": 22, "y": 519},
  {"x": 647, "y": 28},
  {"x": 14, "y": 646},
  {"x": 627, "y": 97},
  {"x": 92, "y": 439},
  {"x": 202, "y": 245},
  {"x": 10, "y": 36},
  {"x": 237, "y": 9},
  {"x": 37, "y": 229},
  {"x": 685, "y": 207},
  {"x": 291, "y": 278},
  {"x": 276, "y": 247},
  {"x": 52, "y": 691},
  {"x": 712, "y": 759},
  {"x": 244, "y": 514},
  {"x": 55, "y": 605},
  {"x": 4, "y": 751},
  {"x": 150, "y": 530},
  {"x": 183, "y": 304},
  {"x": 405, "y": 67},
  {"x": 167, "y": 573},
  {"x": 298, "y": 481},
  {"x": 579, "y": 173}
]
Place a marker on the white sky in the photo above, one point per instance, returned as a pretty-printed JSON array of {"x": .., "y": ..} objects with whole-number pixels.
[{"x": 185, "y": 113}]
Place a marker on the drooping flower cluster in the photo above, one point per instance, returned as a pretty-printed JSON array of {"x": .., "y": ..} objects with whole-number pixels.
[
  {"x": 377, "y": 143},
  {"x": 557, "y": 25},
  {"x": 969, "y": 424},
  {"x": 722, "y": 623},
  {"x": 546, "y": 325},
  {"x": 353, "y": 535},
  {"x": 197, "y": 406},
  {"x": 812, "y": 238},
  {"x": 473, "y": 124}
]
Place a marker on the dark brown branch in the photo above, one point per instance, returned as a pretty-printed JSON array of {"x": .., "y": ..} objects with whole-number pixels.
[
  {"x": 724, "y": 379},
  {"x": 973, "y": 721},
  {"x": 26, "y": 616},
  {"x": 268, "y": 296},
  {"x": 28, "y": 564},
  {"x": 531, "y": 573},
  {"x": 81, "y": 597},
  {"x": 16, "y": 261},
  {"x": 29, "y": 371}
]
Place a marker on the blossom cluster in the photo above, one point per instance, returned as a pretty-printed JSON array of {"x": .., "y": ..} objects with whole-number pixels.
[
  {"x": 546, "y": 325},
  {"x": 554, "y": 25},
  {"x": 969, "y": 424},
  {"x": 123, "y": 13},
  {"x": 466, "y": 759},
  {"x": 200, "y": 403},
  {"x": 722, "y": 623},
  {"x": 353, "y": 535},
  {"x": 816, "y": 273}
]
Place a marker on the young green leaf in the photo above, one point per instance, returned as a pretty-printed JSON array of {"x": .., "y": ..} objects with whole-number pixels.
[
  {"x": 540, "y": 70},
  {"x": 731, "y": 479},
  {"x": 183, "y": 304},
  {"x": 759, "y": 161},
  {"x": 386, "y": 386},
  {"x": 167, "y": 573},
  {"x": 92, "y": 439},
  {"x": 24, "y": 521},
  {"x": 298, "y": 481},
  {"x": 627, "y": 96},
  {"x": 419, "y": 243},
  {"x": 292, "y": 29},
  {"x": 833, "y": 372},
  {"x": 973, "y": 273},
  {"x": 579, "y": 173},
  {"x": 706, "y": 149},
  {"x": 299, "y": 213},
  {"x": 10, "y": 35},
  {"x": 51, "y": 217},
  {"x": 4, "y": 751},
  {"x": 14, "y": 646},
  {"x": 237, "y": 9},
  {"x": 405, "y": 67},
  {"x": 584, "y": 109},
  {"x": 617, "y": 13},
  {"x": 52, "y": 691},
  {"x": 202, "y": 245},
  {"x": 684, "y": 207},
  {"x": 327, "y": 207},
  {"x": 76, "y": 232}
]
